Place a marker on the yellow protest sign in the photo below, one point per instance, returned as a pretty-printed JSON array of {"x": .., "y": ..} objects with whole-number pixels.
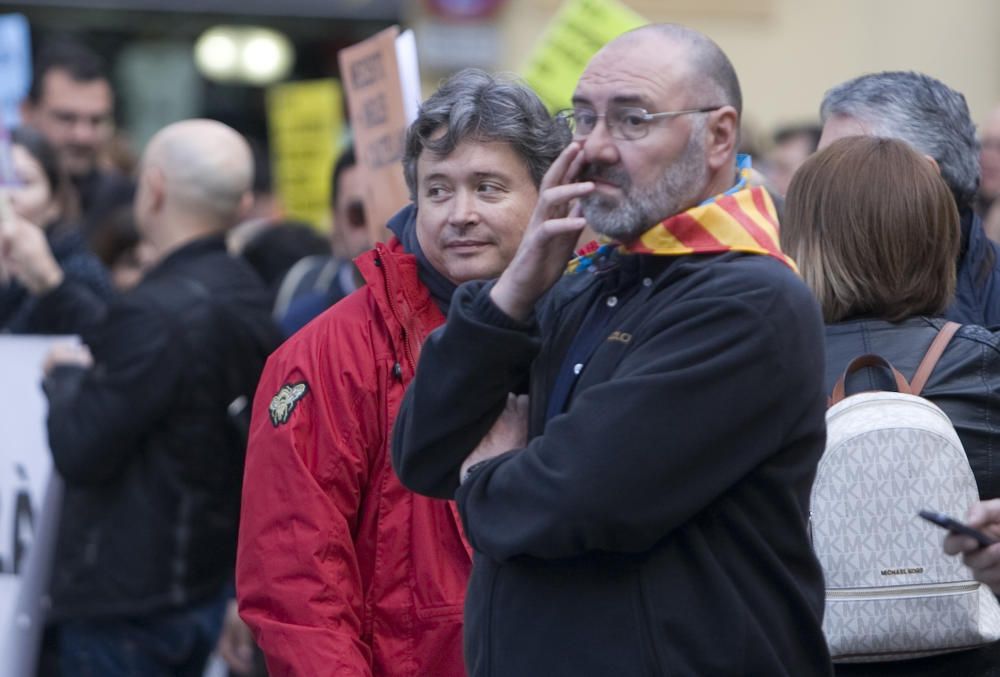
[
  {"x": 305, "y": 123},
  {"x": 579, "y": 29}
]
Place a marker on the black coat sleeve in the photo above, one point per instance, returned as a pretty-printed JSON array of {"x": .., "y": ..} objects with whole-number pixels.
[
  {"x": 71, "y": 308},
  {"x": 708, "y": 391},
  {"x": 477, "y": 358},
  {"x": 97, "y": 416}
]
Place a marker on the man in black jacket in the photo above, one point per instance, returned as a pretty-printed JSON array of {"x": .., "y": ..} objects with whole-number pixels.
[
  {"x": 140, "y": 423},
  {"x": 71, "y": 102},
  {"x": 652, "y": 519}
]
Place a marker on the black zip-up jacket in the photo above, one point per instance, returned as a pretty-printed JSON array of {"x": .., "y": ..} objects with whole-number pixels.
[
  {"x": 977, "y": 288},
  {"x": 152, "y": 460},
  {"x": 657, "y": 523},
  {"x": 79, "y": 265}
]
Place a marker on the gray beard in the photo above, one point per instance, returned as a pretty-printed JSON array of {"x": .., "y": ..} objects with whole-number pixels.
[{"x": 625, "y": 219}]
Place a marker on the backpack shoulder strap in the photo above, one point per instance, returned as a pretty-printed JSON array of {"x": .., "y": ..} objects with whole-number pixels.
[
  {"x": 862, "y": 362},
  {"x": 932, "y": 356}
]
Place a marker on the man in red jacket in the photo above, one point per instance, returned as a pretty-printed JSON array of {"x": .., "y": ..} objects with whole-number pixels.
[{"x": 342, "y": 571}]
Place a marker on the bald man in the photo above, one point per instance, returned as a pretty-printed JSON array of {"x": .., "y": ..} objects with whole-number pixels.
[
  {"x": 651, "y": 519},
  {"x": 141, "y": 425}
]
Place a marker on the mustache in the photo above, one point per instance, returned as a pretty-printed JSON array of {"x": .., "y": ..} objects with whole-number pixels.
[{"x": 614, "y": 175}]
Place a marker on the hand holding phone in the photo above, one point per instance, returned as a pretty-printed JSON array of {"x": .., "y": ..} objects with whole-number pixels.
[{"x": 956, "y": 527}]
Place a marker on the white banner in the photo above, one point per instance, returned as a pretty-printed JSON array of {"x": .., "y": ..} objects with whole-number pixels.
[{"x": 30, "y": 494}]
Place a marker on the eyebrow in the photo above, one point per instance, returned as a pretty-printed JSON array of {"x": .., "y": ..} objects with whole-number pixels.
[
  {"x": 478, "y": 175},
  {"x": 492, "y": 175},
  {"x": 619, "y": 99}
]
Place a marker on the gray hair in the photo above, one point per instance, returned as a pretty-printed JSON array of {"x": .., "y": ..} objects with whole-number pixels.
[
  {"x": 920, "y": 110},
  {"x": 474, "y": 105}
]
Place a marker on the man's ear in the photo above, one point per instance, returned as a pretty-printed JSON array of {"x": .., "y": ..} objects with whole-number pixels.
[
  {"x": 246, "y": 204},
  {"x": 156, "y": 185},
  {"x": 934, "y": 163},
  {"x": 723, "y": 132}
]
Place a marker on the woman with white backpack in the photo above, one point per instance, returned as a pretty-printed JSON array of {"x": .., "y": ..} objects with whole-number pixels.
[{"x": 875, "y": 232}]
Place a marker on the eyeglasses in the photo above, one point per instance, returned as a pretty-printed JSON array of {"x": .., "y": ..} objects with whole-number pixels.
[{"x": 626, "y": 122}]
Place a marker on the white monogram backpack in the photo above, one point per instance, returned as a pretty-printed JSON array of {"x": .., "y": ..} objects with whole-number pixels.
[{"x": 891, "y": 592}]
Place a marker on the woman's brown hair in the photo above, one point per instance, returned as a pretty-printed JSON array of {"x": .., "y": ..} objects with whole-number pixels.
[{"x": 874, "y": 229}]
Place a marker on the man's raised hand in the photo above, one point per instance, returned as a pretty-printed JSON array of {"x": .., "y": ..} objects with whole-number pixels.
[{"x": 549, "y": 238}]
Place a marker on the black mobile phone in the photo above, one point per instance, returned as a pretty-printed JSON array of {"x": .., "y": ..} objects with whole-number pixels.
[{"x": 956, "y": 527}]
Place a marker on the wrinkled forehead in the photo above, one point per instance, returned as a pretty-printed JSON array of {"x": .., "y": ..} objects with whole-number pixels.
[
  {"x": 641, "y": 72},
  {"x": 842, "y": 126}
]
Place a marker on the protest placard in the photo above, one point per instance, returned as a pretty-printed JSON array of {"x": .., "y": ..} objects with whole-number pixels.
[
  {"x": 578, "y": 30},
  {"x": 30, "y": 495},
  {"x": 15, "y": 64},
  {"x": 305, "y": 124},
  {"x": 375, "y": 94}
]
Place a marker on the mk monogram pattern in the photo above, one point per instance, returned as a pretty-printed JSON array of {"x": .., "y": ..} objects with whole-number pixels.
[{"x": 891, "y": 591}]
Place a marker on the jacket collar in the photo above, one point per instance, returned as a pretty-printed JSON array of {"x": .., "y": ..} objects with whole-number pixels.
[
  {"x": 392, "y": 278},
  {"x": 189, "y": 251}
]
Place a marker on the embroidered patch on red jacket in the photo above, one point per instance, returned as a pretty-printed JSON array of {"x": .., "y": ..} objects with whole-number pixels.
[{"x": 285, "y": 401}]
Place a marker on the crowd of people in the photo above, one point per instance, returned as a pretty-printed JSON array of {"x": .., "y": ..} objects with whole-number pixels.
[{"x": 565, "y": 421}]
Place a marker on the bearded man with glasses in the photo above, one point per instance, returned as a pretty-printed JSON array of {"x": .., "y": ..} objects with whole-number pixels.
[{"x": 631, "y": 441}]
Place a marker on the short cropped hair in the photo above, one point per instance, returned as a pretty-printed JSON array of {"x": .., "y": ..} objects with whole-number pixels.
[
  {"x": 874, "y": 229},
  {"x": 711, "y": 68},
  {"x": 80, "y": 62},
  {"x": 474, "y": 105},
  {"x": 921, "y": 110},
  {"x": 346, "y": 160}
]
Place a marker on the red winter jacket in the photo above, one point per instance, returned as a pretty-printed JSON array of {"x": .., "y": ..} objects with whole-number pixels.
[{"x": 340, "y": 570}]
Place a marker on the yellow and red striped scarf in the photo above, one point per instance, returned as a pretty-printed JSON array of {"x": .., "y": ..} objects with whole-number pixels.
[{"x": 743, "y": 221}]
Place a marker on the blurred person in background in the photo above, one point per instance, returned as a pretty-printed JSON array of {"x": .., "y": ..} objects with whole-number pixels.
[
  {"x": 793, "y": 145},
  {"x": 71, "y": 103},
  {"x": 883, "y": 270},
  {"x": 115, "y": 241},
  {"x": 351, "y": 235},
  {"x": 315, "y": 284},
  {"x": 43, "y": 201},
  {"x": 989, "y": 162},
  {"x": 934, "y": 119},
  {"x": 277, "y": 247},
  {"x": 141, "y": 421},
  {"x": 340, "y": 569}
]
